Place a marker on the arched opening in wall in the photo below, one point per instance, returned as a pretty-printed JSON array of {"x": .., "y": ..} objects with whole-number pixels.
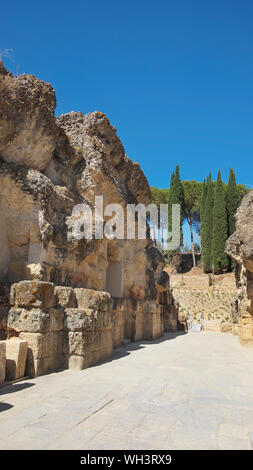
[{"x": 114, "y": 279}]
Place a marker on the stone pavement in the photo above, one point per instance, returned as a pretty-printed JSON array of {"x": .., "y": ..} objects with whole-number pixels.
[{"x": 184, "y": 391}]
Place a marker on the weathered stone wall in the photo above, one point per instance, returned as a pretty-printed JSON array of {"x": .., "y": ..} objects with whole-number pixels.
[
  {"x": 76, "y": 328},
  {"x": 57, "y": 283},
  {"x": 240, "y": 248}
]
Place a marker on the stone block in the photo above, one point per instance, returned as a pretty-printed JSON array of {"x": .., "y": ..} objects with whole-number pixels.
[
  {"x": 44, "y": 365},
  {"x": 226, "y": 327},
  {"x": 16, "y": 352},
  {"x": 2, "y": 361},
  {"x": 118, "y": 321},
  {"x": 77, "y": 343},
  {"x": 77, "y": 363},
  {"x": 33, "y": 294},
  {"x": 56, "y": 316},
  {"x": 45, "y": 352},
  {"x": 76, "y": 319},
  {"x": 96, "y": 300},
  {"x": 65, "y": 297},
  {"x": 23, "y": 320},
  {"x": 44, "y": 344}
]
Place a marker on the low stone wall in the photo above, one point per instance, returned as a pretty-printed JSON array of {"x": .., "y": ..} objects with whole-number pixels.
[
  {"x": 77, "y": 328},
  {"x": 134, "y": 320}
]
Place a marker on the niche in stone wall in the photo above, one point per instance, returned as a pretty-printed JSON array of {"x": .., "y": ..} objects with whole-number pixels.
[{"x": 114, "y": 278}]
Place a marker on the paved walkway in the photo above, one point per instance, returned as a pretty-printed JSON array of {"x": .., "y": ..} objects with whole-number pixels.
[{"x": 185, "y": 391}]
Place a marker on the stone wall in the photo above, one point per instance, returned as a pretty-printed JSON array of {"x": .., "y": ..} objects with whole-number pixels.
[
  {"x": 71, "y": 299},
  {"x": 240, "y": 248},
  {"x": 77, "y": 328}
]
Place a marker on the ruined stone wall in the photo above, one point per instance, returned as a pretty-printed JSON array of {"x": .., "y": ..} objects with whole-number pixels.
[
  {"x": 75, "y": 328},
  {"x": 240, "y": 248},
  {"x": 72, "y": 300}
]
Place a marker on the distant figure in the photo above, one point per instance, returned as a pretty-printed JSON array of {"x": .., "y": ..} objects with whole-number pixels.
[
  {"x": 189, "y": 322},
  {"x": 201, "y": 321}
]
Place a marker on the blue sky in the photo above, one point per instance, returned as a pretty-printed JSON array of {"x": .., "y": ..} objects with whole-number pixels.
[{"x": 174, "y": 77}]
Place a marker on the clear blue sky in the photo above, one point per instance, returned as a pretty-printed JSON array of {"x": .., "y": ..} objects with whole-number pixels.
[{"x": 174, "y": 77}]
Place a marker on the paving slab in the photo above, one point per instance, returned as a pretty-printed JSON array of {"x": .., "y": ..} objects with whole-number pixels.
[{"x": 183, "y": 391}]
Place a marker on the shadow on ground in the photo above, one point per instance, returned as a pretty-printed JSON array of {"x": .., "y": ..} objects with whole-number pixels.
[
  {"x": 12, "y": 388},
  {"x": 127, "y": 349},
  {"x": 5, "y": 406}
]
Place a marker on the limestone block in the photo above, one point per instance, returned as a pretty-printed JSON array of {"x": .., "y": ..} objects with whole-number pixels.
[
  {"x": 2, "y": 361},
  {"x": 16, "y": 352},
  {"x": 33, "y": 321},
  {"x": 77, "y": 343},
  {"x": 56, "y": 316},
  {"x": 44, "y": 352},
  {"x": 44, "y": 365},
  {"x": 65, "y": 297},
  {"x": 139, "y": 325},
  {"x": 129, "y": 322},
  {"x": 43, "y": 345},
  {"x": 33, "y": 294},
  {"x": 118, "y": 322},
  {"x": 101, "y": 339},
  {"x": 226, "y": 327},
  {"x": 245, "y": 329},
  {"x": 76, "y": 319},
  {"x": 98, "y": 300},
  {"x": 150, "y": 307},
  {"x": 95, "y": 356},
  {"x": 77, "y": 363}
]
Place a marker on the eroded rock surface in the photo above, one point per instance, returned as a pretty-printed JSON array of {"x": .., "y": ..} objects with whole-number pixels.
[
  {"x": 72, "y": 299},
  {"x": 240, "y": 248}
]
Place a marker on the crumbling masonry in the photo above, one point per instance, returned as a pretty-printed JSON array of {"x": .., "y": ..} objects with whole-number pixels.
[
  {"x": 71, "y": 301},
  {"x": 240, "y": 248}
]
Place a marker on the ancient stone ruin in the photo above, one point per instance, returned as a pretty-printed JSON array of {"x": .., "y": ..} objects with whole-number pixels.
[
  {"x": 71, "y": 302},
  {"x": 240, "y": 248}
]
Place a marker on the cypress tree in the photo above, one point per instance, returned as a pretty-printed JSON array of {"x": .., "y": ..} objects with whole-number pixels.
[
  {"x": 202, "y": 205},
  {"x": 202, "y": 214},
  {"x": 231, "y": 202},
  {"x": 176, "y": 196},
  {"x": 170, "y": 198},
  {"x": 220, "y": 228},
  {"x": 208, "y": 226}
]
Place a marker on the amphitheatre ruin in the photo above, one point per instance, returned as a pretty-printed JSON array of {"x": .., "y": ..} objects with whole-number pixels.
[{"x": 72, "y": 304}]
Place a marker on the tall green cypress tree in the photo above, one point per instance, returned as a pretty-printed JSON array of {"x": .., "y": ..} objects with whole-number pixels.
[
  {"x": 231, "y": 202},
  {"x": 202, "y": 214},
  {"x": 208, "y": 226},
  {"x": 220, "y": 228},
  {"x": 176, "y": 196},
  {"x": 202, "y": 205},
  {"x": 170, "y": 198}
]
